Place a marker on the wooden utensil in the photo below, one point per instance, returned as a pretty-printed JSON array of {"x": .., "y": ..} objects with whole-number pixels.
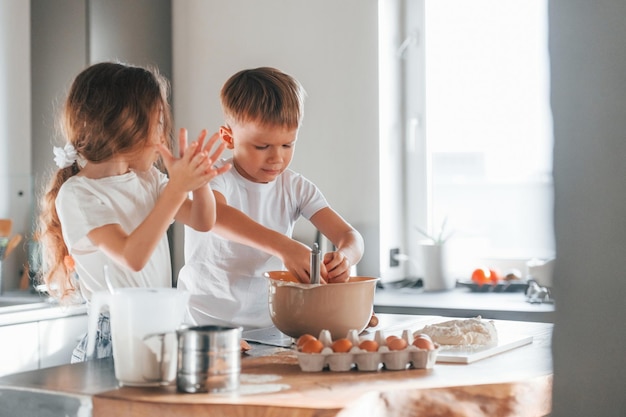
[
  {"x": 25, "y": 279},
  {"x": 13, "y": 242},
  {"x": 5, "y": 227}
]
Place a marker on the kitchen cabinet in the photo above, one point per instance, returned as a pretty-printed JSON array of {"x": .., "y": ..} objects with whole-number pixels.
[
  {"x": 19, "y": 348},
  {"x": 58, "y": 338},
  {"x": 40, "y": 343}
]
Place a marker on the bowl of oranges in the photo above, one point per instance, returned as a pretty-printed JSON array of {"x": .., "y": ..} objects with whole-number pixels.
[{"x": 297, "y": 308}]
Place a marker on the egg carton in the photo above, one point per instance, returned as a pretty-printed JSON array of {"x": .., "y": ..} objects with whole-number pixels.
[{"x": 362, "y": 360}]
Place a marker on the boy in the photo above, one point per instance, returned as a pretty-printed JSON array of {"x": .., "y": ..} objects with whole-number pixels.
[{"x": 258, "y": 203}]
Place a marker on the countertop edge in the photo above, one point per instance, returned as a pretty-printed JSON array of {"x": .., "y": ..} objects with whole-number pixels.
[
  {"x": 506, "y": 399},
  {"x": 40, "y": 312}
]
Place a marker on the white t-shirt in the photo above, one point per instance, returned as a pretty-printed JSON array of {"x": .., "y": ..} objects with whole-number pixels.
[
  {"x": 84, "y": 204},
  {"x": 225, "y": 279}
]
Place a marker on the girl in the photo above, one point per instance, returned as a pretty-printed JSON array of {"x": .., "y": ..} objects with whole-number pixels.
[{"x": 108, "y": 206}]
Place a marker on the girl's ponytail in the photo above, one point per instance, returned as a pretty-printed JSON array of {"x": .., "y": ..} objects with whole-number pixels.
[{"x": 55, "y": 273}]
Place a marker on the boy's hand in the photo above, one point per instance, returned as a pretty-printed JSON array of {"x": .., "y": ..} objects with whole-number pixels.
[
  {"x": 296, "y": 257},
  {"x": 335, "y": 267}
]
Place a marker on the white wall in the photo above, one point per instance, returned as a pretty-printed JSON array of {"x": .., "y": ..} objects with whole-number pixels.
[
  {"x": 331, "y": 47},
  {"x": 588, "y": 70},
  {"x": 136, "y": 32},
  {"x": 15, "y": 131}
]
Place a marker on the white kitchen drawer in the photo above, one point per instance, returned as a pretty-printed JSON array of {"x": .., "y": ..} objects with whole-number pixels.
[
  {"x": 58, "y": 338},
  {"x": 19, "y": 348}
]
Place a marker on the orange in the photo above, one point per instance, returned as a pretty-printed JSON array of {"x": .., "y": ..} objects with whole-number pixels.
[
  {"x": 484, "y": 275},
  {"x": 495, "y": 276}
]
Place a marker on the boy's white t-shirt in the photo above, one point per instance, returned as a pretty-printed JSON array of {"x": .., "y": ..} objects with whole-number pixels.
[
  {"x": 225, "y": 278},
  {"x": 84, "y": 204}
]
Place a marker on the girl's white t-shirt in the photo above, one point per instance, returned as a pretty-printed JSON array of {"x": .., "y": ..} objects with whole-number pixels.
[
  {"x": 225, "y": 278},
  {"x": 84, "y": 204}
]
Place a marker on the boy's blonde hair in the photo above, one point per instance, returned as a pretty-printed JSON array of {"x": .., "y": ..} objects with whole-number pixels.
[{"x": 263, "y": 95}]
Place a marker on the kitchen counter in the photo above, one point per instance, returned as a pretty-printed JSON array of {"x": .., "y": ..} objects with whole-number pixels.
[
  {"x": 514, "y": 383},
  {"x": 17, "y": 307},
  {"x": 461, "y": 302},
  {"x": 37, "y": 332}
]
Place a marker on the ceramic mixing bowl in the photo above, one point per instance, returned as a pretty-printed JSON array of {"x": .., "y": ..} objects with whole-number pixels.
[{"x": 297, "y": 308}]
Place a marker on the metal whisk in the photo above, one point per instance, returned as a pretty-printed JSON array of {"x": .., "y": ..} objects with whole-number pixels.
[{"x": 315, "y": 264}]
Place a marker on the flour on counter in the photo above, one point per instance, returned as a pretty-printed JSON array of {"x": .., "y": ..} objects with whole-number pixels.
[
  {"x": 462, "y": 332},
  {"x": 252, "y": 384}
]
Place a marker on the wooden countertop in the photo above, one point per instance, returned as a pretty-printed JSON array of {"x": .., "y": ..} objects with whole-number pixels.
[{"x": 514, "y": 383}]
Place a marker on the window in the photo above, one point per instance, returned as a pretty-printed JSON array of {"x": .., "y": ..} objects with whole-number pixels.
[{"x": 477, "y": 148}]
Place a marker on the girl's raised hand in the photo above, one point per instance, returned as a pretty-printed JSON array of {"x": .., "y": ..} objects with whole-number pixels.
[
  {"x": 216, "y": 154},
  {"x": 182, "y": 145},
  {"x": 194, "y": 168}
]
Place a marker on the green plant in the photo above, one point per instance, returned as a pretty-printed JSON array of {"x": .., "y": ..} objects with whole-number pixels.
[{"x": 438, "y": 239}]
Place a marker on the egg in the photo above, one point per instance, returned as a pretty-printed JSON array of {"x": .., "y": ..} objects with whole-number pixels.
[
  {"x": 341, "y": 345},
  {"x": 424, "y": 336},
  {"x": 390, "y": 338},
  {"x": 312, "y": 346},
  {"x": 397, "y": 344},
  {"x": 369, "y": 345},
  {"x": 423, "y": 343},
  {"x": 303, "y": 339}
]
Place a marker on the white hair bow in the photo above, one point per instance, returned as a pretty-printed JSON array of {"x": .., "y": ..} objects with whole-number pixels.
[{"x": 65, "y": 156}]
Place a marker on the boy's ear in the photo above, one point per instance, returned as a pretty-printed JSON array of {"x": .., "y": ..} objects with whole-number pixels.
[{"x": 227, "y": 136}]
